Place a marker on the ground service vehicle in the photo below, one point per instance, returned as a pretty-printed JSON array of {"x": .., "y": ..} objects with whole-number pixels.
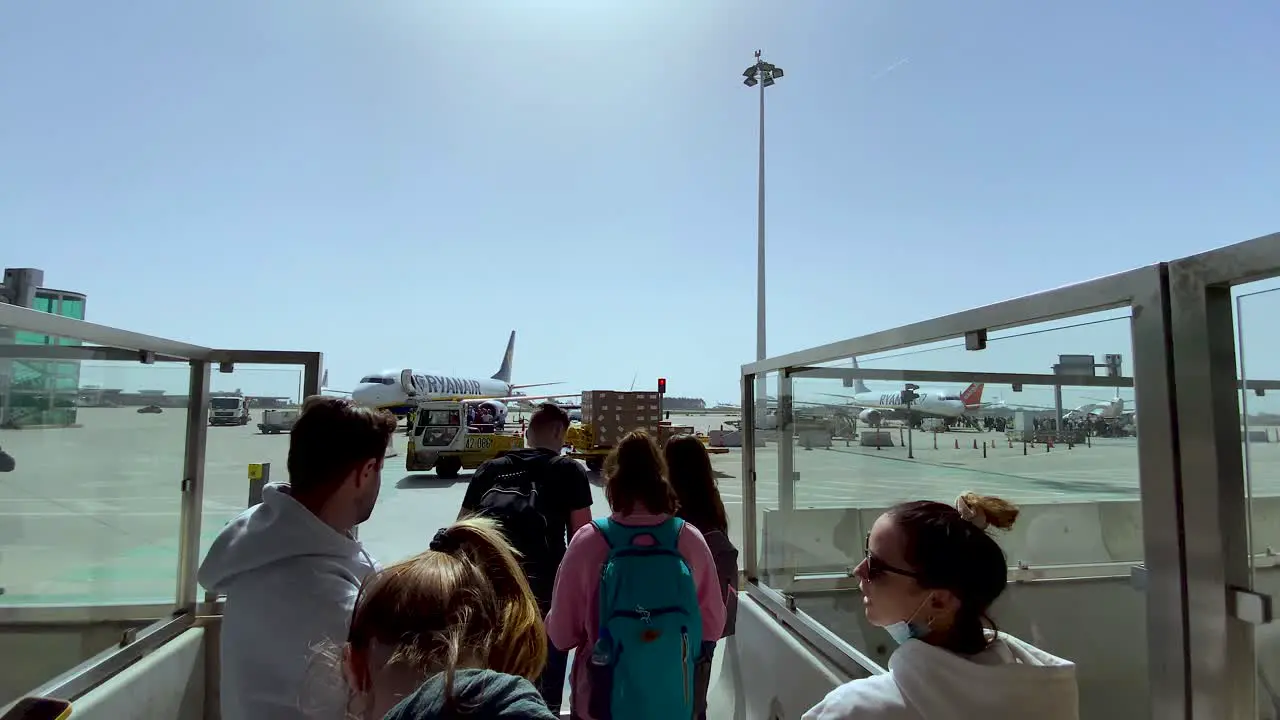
[
  {"x": 581, "y": 440},
  {"x": 442, "y": 439},
  {"x": 278, "y": 421},
  {"x": 229, "y": 410}
]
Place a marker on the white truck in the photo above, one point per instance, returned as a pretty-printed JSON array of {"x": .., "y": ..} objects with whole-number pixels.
[
  {"x": 278, "y": 421},
  {"x": 229, "y": 410}
]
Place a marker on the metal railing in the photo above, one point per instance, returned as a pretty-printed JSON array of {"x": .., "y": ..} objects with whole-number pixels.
[
  {"x": 1196, "y": 566},
  {"x": 172, "y": 616}
]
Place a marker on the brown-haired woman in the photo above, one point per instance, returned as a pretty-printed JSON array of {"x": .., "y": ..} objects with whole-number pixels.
[
  {"x": 694, "y": 480},
  {"x": 454, "y": 631},
  {"x": 663, "y": 596},
  {"x": 930, "y": 573}
]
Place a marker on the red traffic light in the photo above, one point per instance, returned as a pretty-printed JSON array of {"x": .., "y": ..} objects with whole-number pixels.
[{"x": 662, "y": 385}]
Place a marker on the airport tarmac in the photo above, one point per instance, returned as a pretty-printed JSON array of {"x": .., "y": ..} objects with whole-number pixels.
[{"x": 91, "y": 514}]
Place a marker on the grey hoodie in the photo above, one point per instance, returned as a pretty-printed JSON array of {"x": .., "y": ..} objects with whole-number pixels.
[
  {"x": 291, "y": 583},
  {"x": 477, "y": 695}
]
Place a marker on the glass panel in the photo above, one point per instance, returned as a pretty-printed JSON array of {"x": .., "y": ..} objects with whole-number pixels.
[
  {"x": 90, "y": 490},
  {"x": 72, "y": 308},
  {"x": 1257, "y": 304},
  {"x": 766, "y": 462},
  {"x": 249, "y": 420},
  {"x": 1073, "y": 474}
]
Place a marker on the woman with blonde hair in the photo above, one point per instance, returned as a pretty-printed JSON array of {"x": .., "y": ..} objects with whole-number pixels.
[
  {"x": 929, "y": 575},
  {"x": 453, "y": 632}
]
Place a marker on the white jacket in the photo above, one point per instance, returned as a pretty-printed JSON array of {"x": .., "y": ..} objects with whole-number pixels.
[
  {"x": 1010, "y": 680},
  {"x": 291, "y": 583}
]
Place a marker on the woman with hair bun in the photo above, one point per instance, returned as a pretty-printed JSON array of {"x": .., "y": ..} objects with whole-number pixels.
[
  {"x": 453, "y": 632},
  {"x": 929, "y": 576}
]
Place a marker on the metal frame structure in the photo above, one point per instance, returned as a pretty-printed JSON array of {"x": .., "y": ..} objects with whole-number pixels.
[
  {"x": 1196, "y": 572},
  {"x": 168, "y": 619},
  {"x": 1221, "y": 664},
  {"x": 1145, "y": 292}
]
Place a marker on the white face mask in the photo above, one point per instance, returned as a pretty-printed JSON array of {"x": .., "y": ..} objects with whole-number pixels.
[{"x": 904, "y": 630}]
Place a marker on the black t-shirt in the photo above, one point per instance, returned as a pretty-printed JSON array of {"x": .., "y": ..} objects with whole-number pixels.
[{"x": 562, "y": 486}]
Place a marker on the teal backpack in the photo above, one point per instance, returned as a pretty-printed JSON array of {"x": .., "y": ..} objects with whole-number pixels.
[{"x": 650, "y": 634}]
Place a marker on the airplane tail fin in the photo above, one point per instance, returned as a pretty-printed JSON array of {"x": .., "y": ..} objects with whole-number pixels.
[
  {"x": 858, "y": 385},
  {"x": 504, "y": 371},
  {"x": 972, "y": 395}
]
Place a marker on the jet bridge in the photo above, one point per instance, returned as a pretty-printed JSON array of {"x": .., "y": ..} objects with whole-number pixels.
[{"x": 1151, "y": 562}]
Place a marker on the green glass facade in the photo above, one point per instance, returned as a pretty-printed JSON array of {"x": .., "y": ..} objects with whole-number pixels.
[{"x": 46, "y": 392}]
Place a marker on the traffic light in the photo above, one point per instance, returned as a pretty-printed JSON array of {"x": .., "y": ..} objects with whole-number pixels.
[
  {"x": 662, "y": 385},
  {"x": 909, "y": 394}
]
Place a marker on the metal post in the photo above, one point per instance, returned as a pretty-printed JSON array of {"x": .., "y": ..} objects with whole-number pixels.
[
  {"x": 750, "y": 531},
  {"x": 780, "y": 554},
  {"x": 1058, "y": 410},
  {"x": 910, "y": 448},
  {"x": 760, "y": 294},
  {"x": 259, "y": 476},
  {"x": 193, "y": 483}
]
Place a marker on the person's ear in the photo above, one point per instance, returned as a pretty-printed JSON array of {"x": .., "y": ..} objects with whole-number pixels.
[
  {"x": 365, "y": 473},
  {"x": 944, "y": 602},
  {"x": 355, "y": 669}
]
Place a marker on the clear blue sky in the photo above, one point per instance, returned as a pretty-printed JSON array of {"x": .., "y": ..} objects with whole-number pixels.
[{"x": 400, "y": 184}]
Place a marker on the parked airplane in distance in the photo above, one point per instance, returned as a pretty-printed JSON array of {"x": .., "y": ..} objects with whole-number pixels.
[{"x": 875, "y": 407}]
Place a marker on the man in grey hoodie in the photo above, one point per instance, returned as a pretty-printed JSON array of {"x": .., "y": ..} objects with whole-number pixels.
[{"x": 291, "y": 569}]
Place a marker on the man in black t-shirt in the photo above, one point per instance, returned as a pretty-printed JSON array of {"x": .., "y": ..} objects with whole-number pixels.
[{"x": 542, "y": 499}]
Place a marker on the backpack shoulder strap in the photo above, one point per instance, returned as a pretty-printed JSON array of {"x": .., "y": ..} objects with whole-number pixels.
[
  {"x": 667, "y": 534},
  {"x": 603, "y": 526}
]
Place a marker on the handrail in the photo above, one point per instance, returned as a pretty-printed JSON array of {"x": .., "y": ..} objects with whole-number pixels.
[
  {"x": 74, "y": 683},
  {"x": 43, "y": 323},
  {"x": 1104, "y": 293}
]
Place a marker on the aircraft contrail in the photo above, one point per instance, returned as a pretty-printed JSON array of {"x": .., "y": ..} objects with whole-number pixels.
[{"x": 890, "y": 69}]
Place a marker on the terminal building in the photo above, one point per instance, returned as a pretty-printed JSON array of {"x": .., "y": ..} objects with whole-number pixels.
[{"x": 35, "y": 391}]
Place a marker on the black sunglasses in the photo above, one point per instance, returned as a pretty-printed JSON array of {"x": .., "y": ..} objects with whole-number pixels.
[{"x": 877, "y": 567}]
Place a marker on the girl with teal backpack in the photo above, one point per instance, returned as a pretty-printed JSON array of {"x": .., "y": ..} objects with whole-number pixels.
[{"x": 636, "y": 595}]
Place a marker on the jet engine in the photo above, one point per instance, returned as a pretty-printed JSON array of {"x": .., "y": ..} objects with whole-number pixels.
[
  {"x": 871, "y": 416},
  {"x": 497, "y": 410}
]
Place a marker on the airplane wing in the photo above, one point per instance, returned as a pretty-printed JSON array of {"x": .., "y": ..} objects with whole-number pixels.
[
  {"x": 528, "y": 398},
  {"x": 534, "y": 385}
]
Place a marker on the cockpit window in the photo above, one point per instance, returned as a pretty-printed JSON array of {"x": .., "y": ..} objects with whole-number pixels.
[{"x": 378, "y": 380}]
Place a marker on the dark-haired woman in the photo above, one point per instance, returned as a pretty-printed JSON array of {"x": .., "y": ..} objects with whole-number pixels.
[
  {"x": 694, "y": 480},
  {"x": 661, "y": 596},
  {"x": 929, "y": 576}
]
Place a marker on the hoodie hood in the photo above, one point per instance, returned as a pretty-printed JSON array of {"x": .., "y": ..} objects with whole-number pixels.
[
  {"x": 276, "y": 530},
  {"x": 291, "y": 582},
  {"x": 1010, "y": 679},
  {"x": 478, "y": 695}
]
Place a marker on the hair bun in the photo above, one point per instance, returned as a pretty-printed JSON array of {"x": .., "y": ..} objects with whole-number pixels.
[
  {"x": 986, "y": 511},
  {"x": 443, "y": 542}
]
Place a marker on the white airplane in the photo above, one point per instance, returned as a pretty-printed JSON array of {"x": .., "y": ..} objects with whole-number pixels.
[
  {"x": 401, "y": 391},
  {"x": 874, "y": 407}
]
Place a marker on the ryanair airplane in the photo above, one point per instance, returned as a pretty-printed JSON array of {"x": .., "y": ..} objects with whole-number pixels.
[{"x": 401, "y": 391}]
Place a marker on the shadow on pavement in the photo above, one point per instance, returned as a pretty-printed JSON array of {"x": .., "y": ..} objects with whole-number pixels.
[{"x": 424, "y": 481}]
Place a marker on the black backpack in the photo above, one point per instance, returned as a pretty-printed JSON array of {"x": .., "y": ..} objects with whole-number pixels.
[{"x": 512, "y": 500}]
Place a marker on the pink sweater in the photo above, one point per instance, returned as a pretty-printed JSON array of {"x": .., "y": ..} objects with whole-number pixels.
[{"x": 574, "y": 617}]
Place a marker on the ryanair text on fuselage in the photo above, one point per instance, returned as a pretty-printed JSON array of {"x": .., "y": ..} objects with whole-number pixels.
[{"x": 446, "y": 385}]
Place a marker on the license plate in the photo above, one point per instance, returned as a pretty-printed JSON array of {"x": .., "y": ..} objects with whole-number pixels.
[{"x": 479, "y": 443}]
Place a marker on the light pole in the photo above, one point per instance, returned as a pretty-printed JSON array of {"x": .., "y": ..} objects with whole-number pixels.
[{"x": 763, "y": 74}]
